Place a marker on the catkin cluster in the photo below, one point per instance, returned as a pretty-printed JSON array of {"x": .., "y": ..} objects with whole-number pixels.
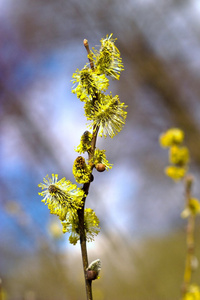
[
  {"x": 178, "y": 154},
  {"x": 106, "y": 115}
]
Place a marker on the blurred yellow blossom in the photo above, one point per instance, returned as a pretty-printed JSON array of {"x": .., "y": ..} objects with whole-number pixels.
[
  {"x": 175, "y": 173},
  {"x": 173, "y": 136},
  {"x": 193, "y": 293},
  {"x": 192, "y": 209},
  {"x": 179, "y": 155},
  {"x": 55, "y": 229}
]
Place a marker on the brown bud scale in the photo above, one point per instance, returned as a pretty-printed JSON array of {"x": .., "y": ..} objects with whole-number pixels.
[
  {"x": 91, "y": 275},
  {"x": 100, "y": 167}
]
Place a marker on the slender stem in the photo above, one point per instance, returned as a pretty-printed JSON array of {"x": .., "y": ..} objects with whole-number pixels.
[
  {"x": 189, "y": 237},
  {"x": 86, "y": 186},
  {"x": 1, "y": 296},
  {"x": 88, "y": 283},
  {"x": 85, "y": 43}
]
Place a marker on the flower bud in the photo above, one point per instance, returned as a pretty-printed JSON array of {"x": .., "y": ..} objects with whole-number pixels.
[
  {"x": 194, "y": 263},
  {"x": 100, "y": 167},
  {"x": 92, "y": 272},
  {"x": 91, "y": 275}
]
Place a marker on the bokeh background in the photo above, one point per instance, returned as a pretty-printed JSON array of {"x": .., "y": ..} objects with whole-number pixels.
[{"x": 142, "y": 239}]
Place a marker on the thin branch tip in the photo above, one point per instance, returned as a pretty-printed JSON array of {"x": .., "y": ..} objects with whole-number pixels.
[{"x": 85, "y": 42}]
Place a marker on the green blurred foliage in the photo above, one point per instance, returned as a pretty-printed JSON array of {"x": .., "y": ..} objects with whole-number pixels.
[{"x": 149, "y": 269}]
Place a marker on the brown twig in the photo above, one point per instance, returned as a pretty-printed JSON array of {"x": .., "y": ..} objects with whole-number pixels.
[{"x": 85, "y": 43}]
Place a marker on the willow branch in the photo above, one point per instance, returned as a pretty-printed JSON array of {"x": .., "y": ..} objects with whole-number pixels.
[
  {"x": 86, "y": 186},
  {"x": 189, "y": 237}
]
